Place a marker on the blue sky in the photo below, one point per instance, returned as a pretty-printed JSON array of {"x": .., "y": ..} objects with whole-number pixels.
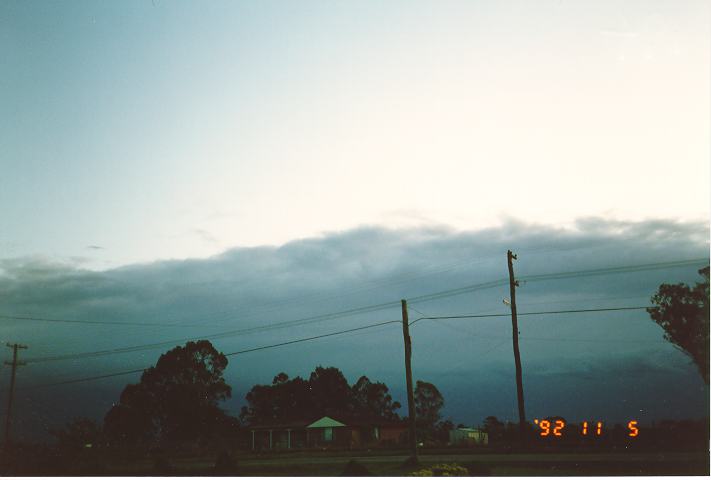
[
  {"x": 178, "y": 129},
  {"x": 232, "y": 164}
]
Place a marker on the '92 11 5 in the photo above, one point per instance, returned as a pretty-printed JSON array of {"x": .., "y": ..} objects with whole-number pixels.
[{"x": 559, "y": 428}]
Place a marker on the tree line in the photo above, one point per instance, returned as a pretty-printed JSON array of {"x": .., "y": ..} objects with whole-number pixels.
[{"x": 179, "y": 400}]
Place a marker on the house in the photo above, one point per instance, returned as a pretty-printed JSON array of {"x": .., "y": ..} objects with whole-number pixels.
[
  {"x": 329, "y": 432},
  {"x": 468, "y": 437}
]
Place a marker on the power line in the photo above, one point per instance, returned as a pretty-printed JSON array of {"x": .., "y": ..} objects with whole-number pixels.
[
  {"x": 275, "y": 326},
  {"x": 98, "y": 322},
  {"x": 494, "y": 315},
  {"x": 612, "y": 270},
  {"x": 239, "y": 352},
  {"x": 85, "y": 379},
  {"x": 377, "y": 284},
  {"x": 297, "y": 300},
  {"x": 373, "y": 308},
  {"x": 350, "y": 330},
  {"x": 256, "y": 349}
]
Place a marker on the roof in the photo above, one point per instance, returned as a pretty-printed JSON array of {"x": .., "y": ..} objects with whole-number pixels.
[
  {"x": 295, "y": 424},
  {"x": 326, "y": 422},
  {"x": 331, "y": 421},
  {"x": 369, "y": 421}
]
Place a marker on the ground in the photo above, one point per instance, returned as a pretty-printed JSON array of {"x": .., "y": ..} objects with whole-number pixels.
[{"x": 549, "y": 464}]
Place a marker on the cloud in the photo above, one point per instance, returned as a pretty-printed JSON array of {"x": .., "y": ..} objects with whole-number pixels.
[
  {"x": 204, "y": 235},
  {"x": 94, "y": 247},
  {"x": 261, "y": 286}
]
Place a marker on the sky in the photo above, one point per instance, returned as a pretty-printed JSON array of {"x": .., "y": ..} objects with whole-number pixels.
[
  {"x": 158, "y": 130},
  {"x": 236, "y": 164}
]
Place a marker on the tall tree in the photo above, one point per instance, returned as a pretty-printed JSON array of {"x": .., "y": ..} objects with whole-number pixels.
[
  {"x": 176, "y": 400},
  {"x": 326, "y": 392},
  {"x": 331, "y": 392},
  {"x": 683, "y": 312},
  {"x": 284, "y": 400},
  {"x": 428, "y": 403},
  {"x": 494, "y": 427},
  {"x": 373, "y": 399}
]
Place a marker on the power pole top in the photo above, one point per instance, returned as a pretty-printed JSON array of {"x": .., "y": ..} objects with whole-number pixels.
[{"x": 15, "y": 363}]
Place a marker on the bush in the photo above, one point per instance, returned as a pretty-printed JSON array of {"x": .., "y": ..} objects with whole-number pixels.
[{"x": 441, "y": 470}]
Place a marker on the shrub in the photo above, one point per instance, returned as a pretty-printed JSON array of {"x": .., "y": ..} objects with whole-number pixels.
[{"x": 441, "y": 470}]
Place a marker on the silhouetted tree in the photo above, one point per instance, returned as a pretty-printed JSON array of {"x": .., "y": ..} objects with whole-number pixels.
[
  {"x": 373, "y": 399},
  {"x": 442, "y": 430},
  {"x": 175, "y": 400},
  {"x": 494, "y": 428},
  {"x": 326, "y": 392},
  {"x": 428, "y": 403},
  {"x": 683, "y": 313},
  {"x": 284, "y": 400},
  {"x": 331, "y": 392}
]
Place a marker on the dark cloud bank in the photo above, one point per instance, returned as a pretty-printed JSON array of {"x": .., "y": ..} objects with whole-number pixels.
[{"x": 609, "y": 366}]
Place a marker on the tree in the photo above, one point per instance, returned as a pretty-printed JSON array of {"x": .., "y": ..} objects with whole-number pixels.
[
  {"x": 494, "y": 428},
  {"x": 683, "y": 313},
  {"x": 442, "y": 430},
  {"x": 330, "y": 389},
  {"x": 176, "y": 400},
  {"x": 428, "y": 403},
  {"x": 373, "y": 399},
  {"x": 326, "y": 392},
  {"x": 284, "y": 400}
]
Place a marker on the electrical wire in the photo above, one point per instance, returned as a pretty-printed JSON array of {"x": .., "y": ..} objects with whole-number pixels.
[
  {"x": 494, "y": 315},
  {"x": 378, "y": 307},
  {"x": 300, "y": 340},
  {"x": 612, "y": 270},
  {"x": 421, "y": 298},
  {"x": 239, "y": 352},
  {"x": 263, "y": 328},
  {"x": 97, "y": 322}
]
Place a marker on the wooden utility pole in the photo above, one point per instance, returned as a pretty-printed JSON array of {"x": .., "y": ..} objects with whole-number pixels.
[
  {"x": 517, "y": 355},
  {"x": 408, "y": 375},
  {"x": 14, "y": 364}
]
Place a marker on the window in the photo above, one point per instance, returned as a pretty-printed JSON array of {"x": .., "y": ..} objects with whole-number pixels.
[{"x": 328, "y": 434}]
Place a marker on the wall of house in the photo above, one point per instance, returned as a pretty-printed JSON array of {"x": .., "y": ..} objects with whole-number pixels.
[
  {"x": 392, "y": 435},
  {"x": 463, "y": 437},
  {"x": 341, "y": 437}
]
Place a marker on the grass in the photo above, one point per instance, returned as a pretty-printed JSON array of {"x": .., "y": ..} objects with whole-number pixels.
[{"x": 385, "y": 464}]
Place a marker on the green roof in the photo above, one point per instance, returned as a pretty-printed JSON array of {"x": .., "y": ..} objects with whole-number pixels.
[{"x": 325, "y": 422}]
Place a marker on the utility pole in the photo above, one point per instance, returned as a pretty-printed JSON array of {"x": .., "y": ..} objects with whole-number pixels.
[
  {"x": 513, "y": 283},
  {"x": 14, "y": 364},
  {"x": 410, "y": 395}
]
